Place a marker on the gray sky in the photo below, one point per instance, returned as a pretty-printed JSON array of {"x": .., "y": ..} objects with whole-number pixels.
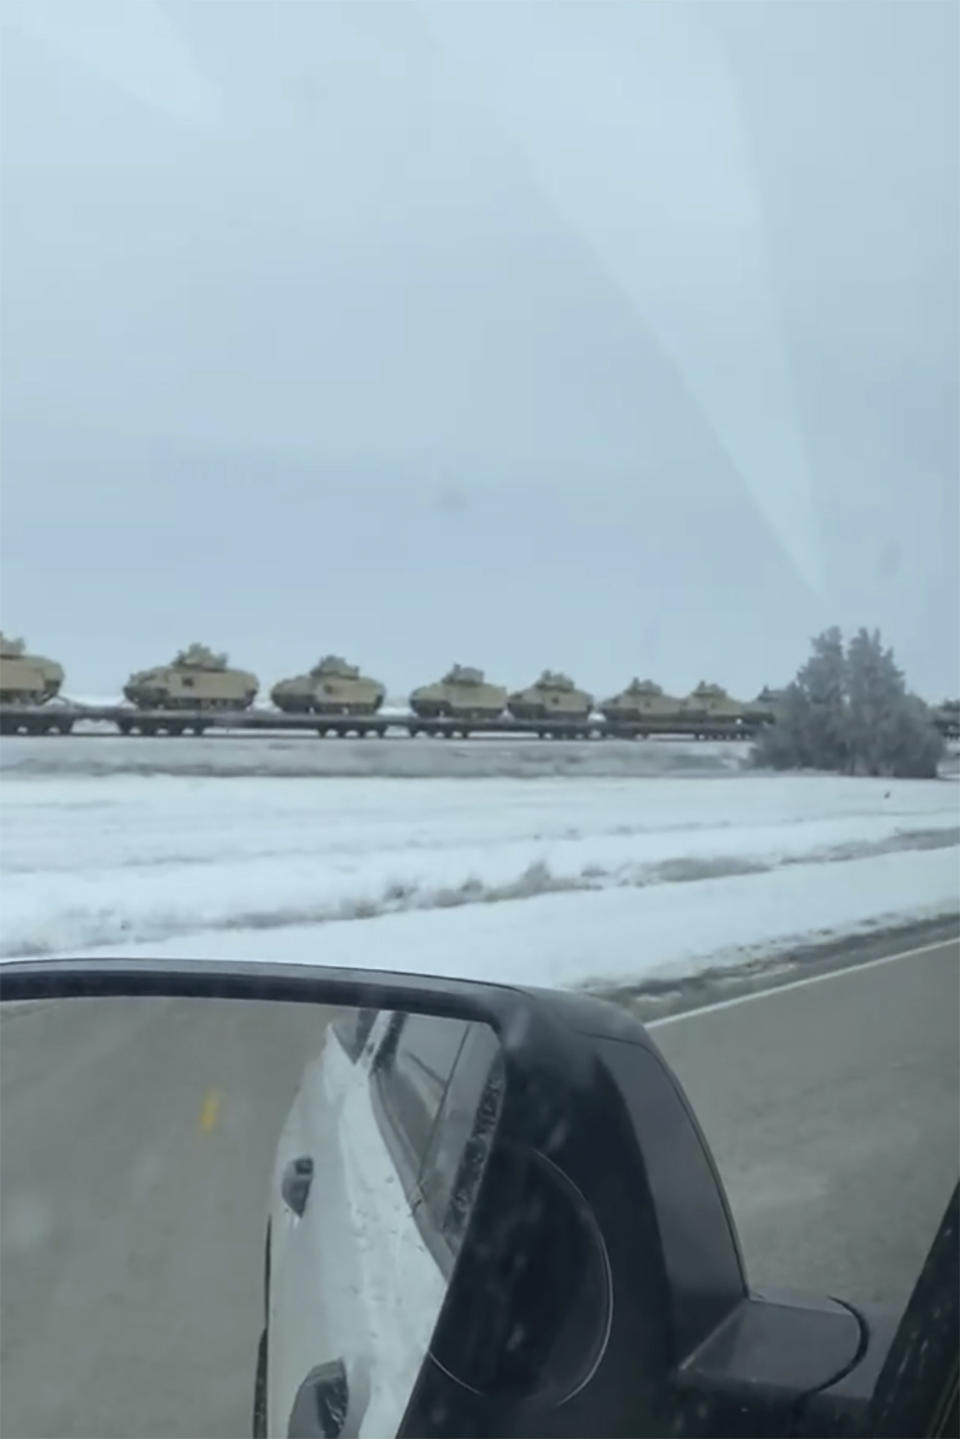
[{"x": 616, "y": 338}]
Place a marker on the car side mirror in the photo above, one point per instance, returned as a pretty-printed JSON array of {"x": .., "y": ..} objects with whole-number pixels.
[{"x": 504, "y": 1190}]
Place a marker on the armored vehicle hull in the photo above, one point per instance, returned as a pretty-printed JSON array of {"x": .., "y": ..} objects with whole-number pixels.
[
  {"x": 641, "y": 700},
  {"x": 765, "y": 707},
  {"x": 197, "y": 679},
  {"x": 332, "y": 687},
  {"x": 552, "y": 696},
  {"x": 712, "y": 700},
  {"x": 463, "y": 694},
  {"x": 946, "y": 717},
  {"x": 24, "y": 678}
]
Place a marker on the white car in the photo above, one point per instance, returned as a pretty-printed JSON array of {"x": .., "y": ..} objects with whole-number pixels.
[{"x": 374, "y": 1175}]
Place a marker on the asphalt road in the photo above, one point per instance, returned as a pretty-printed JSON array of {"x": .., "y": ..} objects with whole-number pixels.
[
  {"x": 137, "y": 1140},
  {"x": 832, "y": 1107}
]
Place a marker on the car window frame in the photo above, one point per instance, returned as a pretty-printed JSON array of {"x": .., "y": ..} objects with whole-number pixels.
[
  {"x": 412, "y": 1170},
  {"x": 396, "y": 1093},
  {"x": 480, "y": 1053}
]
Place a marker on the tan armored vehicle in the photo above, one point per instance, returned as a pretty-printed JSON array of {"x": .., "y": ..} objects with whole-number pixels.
[
  {"x": 332, "y": 687},
  {"x": 946, "y": 717},
  {"x": 197, "y": 679},
  {"x": 766, "y": 704},
  {"x": 713, "y": 700},
  {"x": 26, "y": 679},
  {"x": 463, "y": 693},
  {"x": 552, "y": 695},
  {"x": 642, "y": 699}
]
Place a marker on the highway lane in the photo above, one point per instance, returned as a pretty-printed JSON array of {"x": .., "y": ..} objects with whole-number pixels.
[
  {"x": 833, "y": 1109},
  {"x": 136, "y": 1139},
  {"x": 136, "y": 1144}
]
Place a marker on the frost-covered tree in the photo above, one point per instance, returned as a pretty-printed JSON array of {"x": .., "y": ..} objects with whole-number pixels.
[
  {"x": 849, "y": 711},
  {"x": 822, "y": 683},
  {"x": 914, "y": 743},
  {"x": 876, "y": 692}
]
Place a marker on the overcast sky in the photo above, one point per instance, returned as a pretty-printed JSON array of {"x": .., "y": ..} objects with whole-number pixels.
[{"x": 614, "y": 338}]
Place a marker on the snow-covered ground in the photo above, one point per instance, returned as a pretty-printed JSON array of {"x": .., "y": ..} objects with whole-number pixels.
[
  {"x": 235, "y": 755},
  {"x": 555, "y": 880}
]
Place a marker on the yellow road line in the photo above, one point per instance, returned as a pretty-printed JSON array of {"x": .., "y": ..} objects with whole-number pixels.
[{"x": 210, "y": 1110}]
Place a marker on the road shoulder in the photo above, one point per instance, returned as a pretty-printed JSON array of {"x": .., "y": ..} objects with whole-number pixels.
[{"x": 653, "y": 999}]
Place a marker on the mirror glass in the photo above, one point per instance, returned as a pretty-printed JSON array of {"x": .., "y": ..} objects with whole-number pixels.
[{"x": 229, "y": 1217}]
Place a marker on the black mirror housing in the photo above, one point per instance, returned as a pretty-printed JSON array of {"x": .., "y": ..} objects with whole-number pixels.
[{"x": 599, "y": 1287}]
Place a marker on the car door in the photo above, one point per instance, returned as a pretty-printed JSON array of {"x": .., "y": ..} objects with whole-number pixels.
[
  {"x": 314, "y": 1314},
  {"x": 355, "y": 1282}
]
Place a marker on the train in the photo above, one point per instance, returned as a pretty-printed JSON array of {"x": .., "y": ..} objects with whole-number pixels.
[{"x": 198, "y": 690}]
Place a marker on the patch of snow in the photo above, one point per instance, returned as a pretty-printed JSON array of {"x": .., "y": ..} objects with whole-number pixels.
[
  {"x": 97, "y": 750},
  {"x": 247, "y": 869},
  {"x": 607, "y": 937}
]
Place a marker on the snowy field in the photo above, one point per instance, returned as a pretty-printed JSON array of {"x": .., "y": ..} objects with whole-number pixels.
[
  {"x": 101, "y": 751},
  {"x": 565, "y": 878}
]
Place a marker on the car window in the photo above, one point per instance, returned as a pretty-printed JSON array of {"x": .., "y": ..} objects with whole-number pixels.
[
  {"x": 412, "y": 1068},
  {"x": 463, "y": 1131}
]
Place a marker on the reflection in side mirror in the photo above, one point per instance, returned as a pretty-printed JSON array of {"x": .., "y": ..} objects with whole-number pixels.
[
  {"x": 225, "y": 1216},
  {"x": 452, "y": 1210}
]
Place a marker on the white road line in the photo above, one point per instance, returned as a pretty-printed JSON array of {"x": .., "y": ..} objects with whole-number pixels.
[{"x": 776, "y": 989}]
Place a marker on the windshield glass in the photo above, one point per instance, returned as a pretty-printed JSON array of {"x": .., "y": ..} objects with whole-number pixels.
[{"x": 480, "y": 498}]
